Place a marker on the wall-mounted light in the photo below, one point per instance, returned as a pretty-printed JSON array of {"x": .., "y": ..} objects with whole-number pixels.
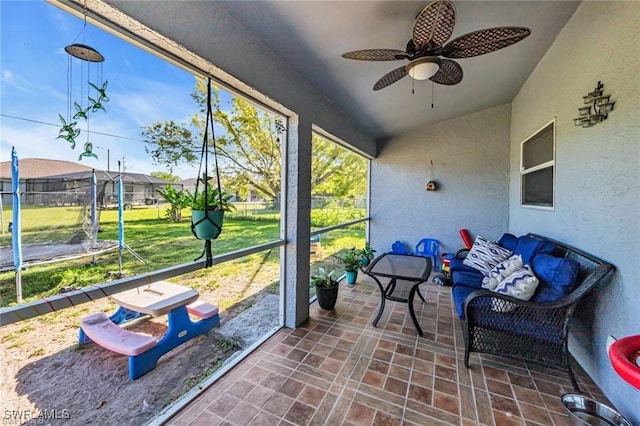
[{"x": 601, "y": 105}]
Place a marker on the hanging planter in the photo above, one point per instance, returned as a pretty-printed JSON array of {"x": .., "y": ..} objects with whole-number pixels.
[
  {"x": 207, "y": 212},
  {"x": 209, "y": 204},
  {"x": 207, "y": 225}
]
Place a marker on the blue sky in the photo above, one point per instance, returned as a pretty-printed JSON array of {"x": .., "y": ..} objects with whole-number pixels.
[{"x": 142, "y": 88}]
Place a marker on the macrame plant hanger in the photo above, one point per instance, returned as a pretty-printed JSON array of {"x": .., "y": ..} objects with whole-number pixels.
[{"x": 204, "y": 159}]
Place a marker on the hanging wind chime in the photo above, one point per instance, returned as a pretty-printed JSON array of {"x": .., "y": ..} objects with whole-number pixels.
[
  {"x": 208, "y": 206},
  {"x": 88, "y": 63}
]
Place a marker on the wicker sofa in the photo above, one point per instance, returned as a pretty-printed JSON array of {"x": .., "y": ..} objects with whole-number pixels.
[{"x": 534, "y": 330}]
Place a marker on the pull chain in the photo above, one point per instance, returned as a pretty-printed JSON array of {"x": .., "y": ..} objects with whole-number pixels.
[{"x": 432, "y": 84}]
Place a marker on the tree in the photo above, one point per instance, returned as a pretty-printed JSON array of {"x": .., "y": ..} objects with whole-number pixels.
[
  {"x": 178, "y": 200},
  {"x": 249, "y": 144},
  {"x": 248, "y": 141},
  {"x": 336, "y": 171},
  {"x": 170, "y": 143},
  {"x": 168, "y": 176}
]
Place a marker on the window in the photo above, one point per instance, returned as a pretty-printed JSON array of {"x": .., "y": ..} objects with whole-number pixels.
[
  {"x": 537, "y": 163},
  {"x": 339, "y": 206}
]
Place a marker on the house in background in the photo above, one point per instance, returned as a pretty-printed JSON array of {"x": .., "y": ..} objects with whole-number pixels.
[
  {"x": 188, "y": 184},
  {"x": 34, "y": 173},
  {"x": 58, "y": 183}
]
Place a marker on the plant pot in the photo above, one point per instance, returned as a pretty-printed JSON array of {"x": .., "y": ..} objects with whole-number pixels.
[
  {"x": 209, "y": 227},
  {"x": 351, "y": 276},
  {"x": 327, "y": 297},
  {"x": 364, "y": 261}
]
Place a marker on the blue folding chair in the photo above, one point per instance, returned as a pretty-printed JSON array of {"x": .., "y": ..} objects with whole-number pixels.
[
  {"x": 399, "y": 248},
  {"x": 428, "y": 247}
]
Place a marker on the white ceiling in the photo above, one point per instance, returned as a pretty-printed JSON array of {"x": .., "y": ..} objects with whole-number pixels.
[{"x": 311, "y": 36}]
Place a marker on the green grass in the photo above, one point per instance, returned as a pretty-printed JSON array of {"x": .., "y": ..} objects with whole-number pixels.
[{"x": 161, "y": 244}]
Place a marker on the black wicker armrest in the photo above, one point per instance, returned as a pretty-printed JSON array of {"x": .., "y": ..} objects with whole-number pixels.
[
  {"x": 462, "y": 253},
  {"x": 478, "y": 299}
]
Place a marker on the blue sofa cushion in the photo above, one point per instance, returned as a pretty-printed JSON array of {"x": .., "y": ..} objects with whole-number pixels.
[
  {"x": 557, "y": 277},
  {"x": 457, "y": 264},
  {"x": 465, "y": 280},
  {"x": 528, "y": 247},
  {"x": 459, "y": 294},
  {"x": 508, "y": 241},
  {"x": 469, "y": 277}
]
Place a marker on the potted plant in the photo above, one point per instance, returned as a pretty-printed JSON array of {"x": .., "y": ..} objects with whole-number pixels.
[
  {"x": 326, "y": 288},
  {"x": 366, "y": 255},
  {"x": 207, "y": 211},
  {"x": 351, "y": 261}
]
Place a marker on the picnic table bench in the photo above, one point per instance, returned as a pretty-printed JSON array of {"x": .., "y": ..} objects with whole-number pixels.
[{"x": 160, "y": 298}]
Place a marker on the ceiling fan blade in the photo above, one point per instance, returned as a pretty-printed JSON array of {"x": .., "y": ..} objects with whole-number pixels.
[
  {"x": 376, "y": 55},
  {"x": 434, "y": 24},
  {"x": 484, "y": 41},
  {"x": 390, "y": 78},
  {"x": 450, "y": 73}
]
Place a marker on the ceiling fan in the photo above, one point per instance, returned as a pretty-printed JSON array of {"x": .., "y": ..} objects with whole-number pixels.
[{"x": 431, "y": 29}]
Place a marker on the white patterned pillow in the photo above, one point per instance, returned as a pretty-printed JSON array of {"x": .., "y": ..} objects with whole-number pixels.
[
  {"x": 485, "y": 255},
  {"x": 521, "y": 284},
  {"x": 502, "y": 271}
]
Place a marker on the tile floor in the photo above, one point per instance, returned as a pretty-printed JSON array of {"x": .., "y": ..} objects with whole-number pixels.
[{"x": 338, "y": 369}]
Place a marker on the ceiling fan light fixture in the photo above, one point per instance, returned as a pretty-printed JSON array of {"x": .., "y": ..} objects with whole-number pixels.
[{"x": 423, "y": 68}]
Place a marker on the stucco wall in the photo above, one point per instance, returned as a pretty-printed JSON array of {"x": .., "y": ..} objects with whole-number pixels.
[
  {"x": 470, "y": 157},
  {"x": 597, "y": 192}
]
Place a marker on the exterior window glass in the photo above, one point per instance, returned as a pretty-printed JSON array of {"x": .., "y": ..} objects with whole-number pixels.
[{"x": 537, "y": 168}]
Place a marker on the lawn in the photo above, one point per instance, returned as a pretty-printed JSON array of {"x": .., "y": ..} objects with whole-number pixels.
[
  {"x": 157, "y": 241},
  {"x": 35, "y": 349}
]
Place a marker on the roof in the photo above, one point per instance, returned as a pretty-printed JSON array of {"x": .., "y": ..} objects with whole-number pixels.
[
  {"x": 103, "y": 176},
  {"x": 188, "y": 182},
  {"x": 39, "y": 167}
]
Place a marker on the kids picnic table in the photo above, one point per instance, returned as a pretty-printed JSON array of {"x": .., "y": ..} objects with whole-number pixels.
[{"x": 157, "y": 299}]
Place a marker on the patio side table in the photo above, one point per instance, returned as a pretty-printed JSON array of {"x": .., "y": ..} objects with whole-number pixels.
[{"x": 399, "y": 267}]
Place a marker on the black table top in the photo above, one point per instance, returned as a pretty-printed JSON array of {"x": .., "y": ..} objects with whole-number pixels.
[{"x": 400, "y": 266}]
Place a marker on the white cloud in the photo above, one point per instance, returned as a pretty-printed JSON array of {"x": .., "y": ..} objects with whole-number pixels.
[{"x": 17, "y": 82}]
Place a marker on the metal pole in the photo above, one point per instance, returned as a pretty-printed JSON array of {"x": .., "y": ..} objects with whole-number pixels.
[
  {"x": 15, "y": 233},
  {"x": 1, "y": 209},
  {"x": 120, "y": 223},
  {"x": 94, "y": 207}
]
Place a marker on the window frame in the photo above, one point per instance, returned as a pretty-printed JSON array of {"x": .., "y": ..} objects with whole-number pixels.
[{"x": 551, "y": 164}]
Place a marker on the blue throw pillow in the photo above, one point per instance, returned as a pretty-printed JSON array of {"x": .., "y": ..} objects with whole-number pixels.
[
  {"x": 528, "y": 247},
  {"x": 557, "y": 277},
  {"x": 508, "y": 241}
]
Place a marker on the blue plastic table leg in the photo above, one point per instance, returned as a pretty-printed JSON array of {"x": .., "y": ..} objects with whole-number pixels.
[
  {"x": 180, "y": 329},
  {"x": 120, "y": 316},
  {"x": 123, "y": 315}
]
